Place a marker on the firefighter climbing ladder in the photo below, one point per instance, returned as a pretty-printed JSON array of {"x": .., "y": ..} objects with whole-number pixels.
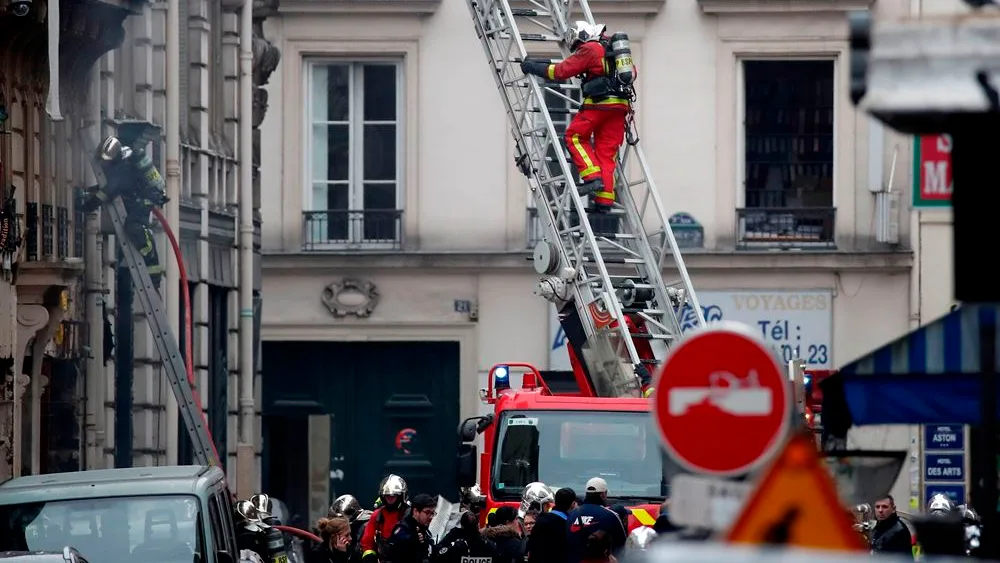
[
  {"x": 166, "y": 344},
  {"x": 605, "y": 267}
]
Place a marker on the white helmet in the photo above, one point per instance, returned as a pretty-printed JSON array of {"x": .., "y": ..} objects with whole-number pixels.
[
  {"x": 535, "y": 493},
  {"x": 940, "y": 505},
  {"x": 393, "y": 485},
  {"x": 581, "y": 32},
  {"x": 640, "y": 538}
]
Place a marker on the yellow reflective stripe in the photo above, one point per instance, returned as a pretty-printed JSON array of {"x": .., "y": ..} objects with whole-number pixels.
[
  {"x": 605, "y": 102},
  {"x": 648, "y": 392},
  {"x": 492, "y": 510},
  {"x": 591, "y": 167},
  {"x": 644, "y": 518},
  {"x": 368, "y": 552},
  {"x": 551, "y": 72},
  {"x": 148, "y": 246},
  {"x": 605, "y": 195}
]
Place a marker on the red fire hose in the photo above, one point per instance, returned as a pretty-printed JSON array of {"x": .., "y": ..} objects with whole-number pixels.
[
  {"x": 188, "y": 327},
  {"x": 301, "y": 533}
]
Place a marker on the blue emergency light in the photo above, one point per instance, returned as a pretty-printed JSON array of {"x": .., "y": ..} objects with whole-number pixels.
[{"x": 501, "y": 378}]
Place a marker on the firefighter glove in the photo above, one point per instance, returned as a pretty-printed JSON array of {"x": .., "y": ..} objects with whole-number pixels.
[{"x": 537, "y": 67}]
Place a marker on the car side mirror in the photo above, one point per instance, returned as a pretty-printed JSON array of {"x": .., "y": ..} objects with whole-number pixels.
[
  {"x": 468, "y": 429},
  {"x": 468, "y": 455},
  {"x": 223, "y": 556}
]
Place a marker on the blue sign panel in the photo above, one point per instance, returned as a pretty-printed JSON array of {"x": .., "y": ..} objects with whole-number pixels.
[
  {"x": 955, "y": 492},
  {"x": 944, "y": 467},
  {"x": 944, "y": 437}
]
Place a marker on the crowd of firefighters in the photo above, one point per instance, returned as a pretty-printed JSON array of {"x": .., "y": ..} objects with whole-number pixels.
[{"x": 548, "y": 526}]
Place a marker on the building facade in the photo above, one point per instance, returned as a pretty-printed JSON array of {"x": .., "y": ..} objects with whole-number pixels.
[
  {"x": 97, "y": 396},
  {"x": 396, "y": 227}
]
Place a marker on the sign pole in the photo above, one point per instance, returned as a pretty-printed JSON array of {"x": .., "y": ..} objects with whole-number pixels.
[{"x": 973, "y": 202}]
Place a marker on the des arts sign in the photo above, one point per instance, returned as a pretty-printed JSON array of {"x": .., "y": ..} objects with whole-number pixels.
[{"x": 932, "y": 179}]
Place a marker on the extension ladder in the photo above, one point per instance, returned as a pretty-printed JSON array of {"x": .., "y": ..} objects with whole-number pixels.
[
  {"x": 202, "y": 446},
  {"x": 609, "y": 275}
]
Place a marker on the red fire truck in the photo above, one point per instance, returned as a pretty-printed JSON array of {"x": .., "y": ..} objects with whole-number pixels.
[{"x": 563, "y": 439}]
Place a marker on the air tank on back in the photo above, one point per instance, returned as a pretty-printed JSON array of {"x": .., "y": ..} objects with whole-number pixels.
[{"x": 622, "y": 51}]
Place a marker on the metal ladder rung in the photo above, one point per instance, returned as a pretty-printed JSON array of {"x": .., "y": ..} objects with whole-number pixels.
[
  {"x": 637, "y": 310},
  {"x": 616, "y": 236},
  {"x": 540, "y": 37},
  {"x": 528, "y": 13},
  {"x": 647, "y": 336},
  {"x": 618, "y": 282},
  {"x": 614, "y": 260}
]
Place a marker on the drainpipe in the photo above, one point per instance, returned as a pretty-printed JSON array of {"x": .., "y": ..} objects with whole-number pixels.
[
  {"x": 52, "y": 102},
  {"x": 916, "y": 238},
  {"x": 173, "y": 211},
  {"x": 96, "y": 376},
  {"x": 246, "y": 250}
]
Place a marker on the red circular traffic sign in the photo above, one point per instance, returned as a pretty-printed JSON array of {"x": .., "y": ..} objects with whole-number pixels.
[{"x": 722, "y": 401}]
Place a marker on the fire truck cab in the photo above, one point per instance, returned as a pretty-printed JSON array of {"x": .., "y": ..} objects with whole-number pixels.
[{"x": 562, "y": 440}]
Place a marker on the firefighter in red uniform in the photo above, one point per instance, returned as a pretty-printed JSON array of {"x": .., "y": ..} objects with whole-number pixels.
[
  {"x": 598, "y": 129},
  {"x": 392, "y": 496}
]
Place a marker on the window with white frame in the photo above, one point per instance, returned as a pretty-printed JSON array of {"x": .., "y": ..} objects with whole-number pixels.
[
  {"x": 355, "y": 154},
  {"x": 789, "y": 153}
]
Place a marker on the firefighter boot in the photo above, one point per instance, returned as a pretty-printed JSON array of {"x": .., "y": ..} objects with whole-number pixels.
[
  {"x": 591, "y": 186},
  {"x": 599, "y": 205}
]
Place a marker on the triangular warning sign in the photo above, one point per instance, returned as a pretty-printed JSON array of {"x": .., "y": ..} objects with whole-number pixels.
[{"x": 796, "y": 503}]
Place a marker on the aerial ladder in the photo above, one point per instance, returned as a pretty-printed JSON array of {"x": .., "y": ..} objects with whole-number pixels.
[
  {"x": 618, "y": 312},
  {"x": 191, "y": 413}
]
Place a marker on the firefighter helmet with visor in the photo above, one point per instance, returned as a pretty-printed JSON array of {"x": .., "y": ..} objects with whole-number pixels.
[
  {"x": 345, "y": 506},
  {"x": 392, "y": 486},
  {"x": 535, "y": 493},
  {"x": 581, "y": 32}
]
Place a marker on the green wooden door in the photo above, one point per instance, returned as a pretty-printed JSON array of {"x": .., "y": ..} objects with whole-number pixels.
[
  {"x": 393, "y": 408},
  {"x": 407, "y": 401}
]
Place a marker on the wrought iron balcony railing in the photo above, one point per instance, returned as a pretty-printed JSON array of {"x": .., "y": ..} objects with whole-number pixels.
[
  {"x": 785, "y": 227},
  {"x": 369, "y": 229}
]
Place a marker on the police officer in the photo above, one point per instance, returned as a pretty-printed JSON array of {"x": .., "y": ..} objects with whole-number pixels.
[
  {"x": 465, "y": 540},
  {"x": 410, "y": 541}
]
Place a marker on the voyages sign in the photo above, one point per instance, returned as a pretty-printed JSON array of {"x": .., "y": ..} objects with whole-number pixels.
[{"x": 932, "y": 179}]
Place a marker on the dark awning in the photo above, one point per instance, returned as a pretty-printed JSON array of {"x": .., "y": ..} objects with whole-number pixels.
[{"x": 929, "y": 376}]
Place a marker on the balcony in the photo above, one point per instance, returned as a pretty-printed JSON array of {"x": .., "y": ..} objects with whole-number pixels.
[
  {"x": 785, "y": 227},
  {"x": 369, "y": 229}
]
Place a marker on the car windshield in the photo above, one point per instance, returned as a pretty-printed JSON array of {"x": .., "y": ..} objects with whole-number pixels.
[
  {"x": 151, "y": 529},
  {"x": 566, "y": 448}
]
